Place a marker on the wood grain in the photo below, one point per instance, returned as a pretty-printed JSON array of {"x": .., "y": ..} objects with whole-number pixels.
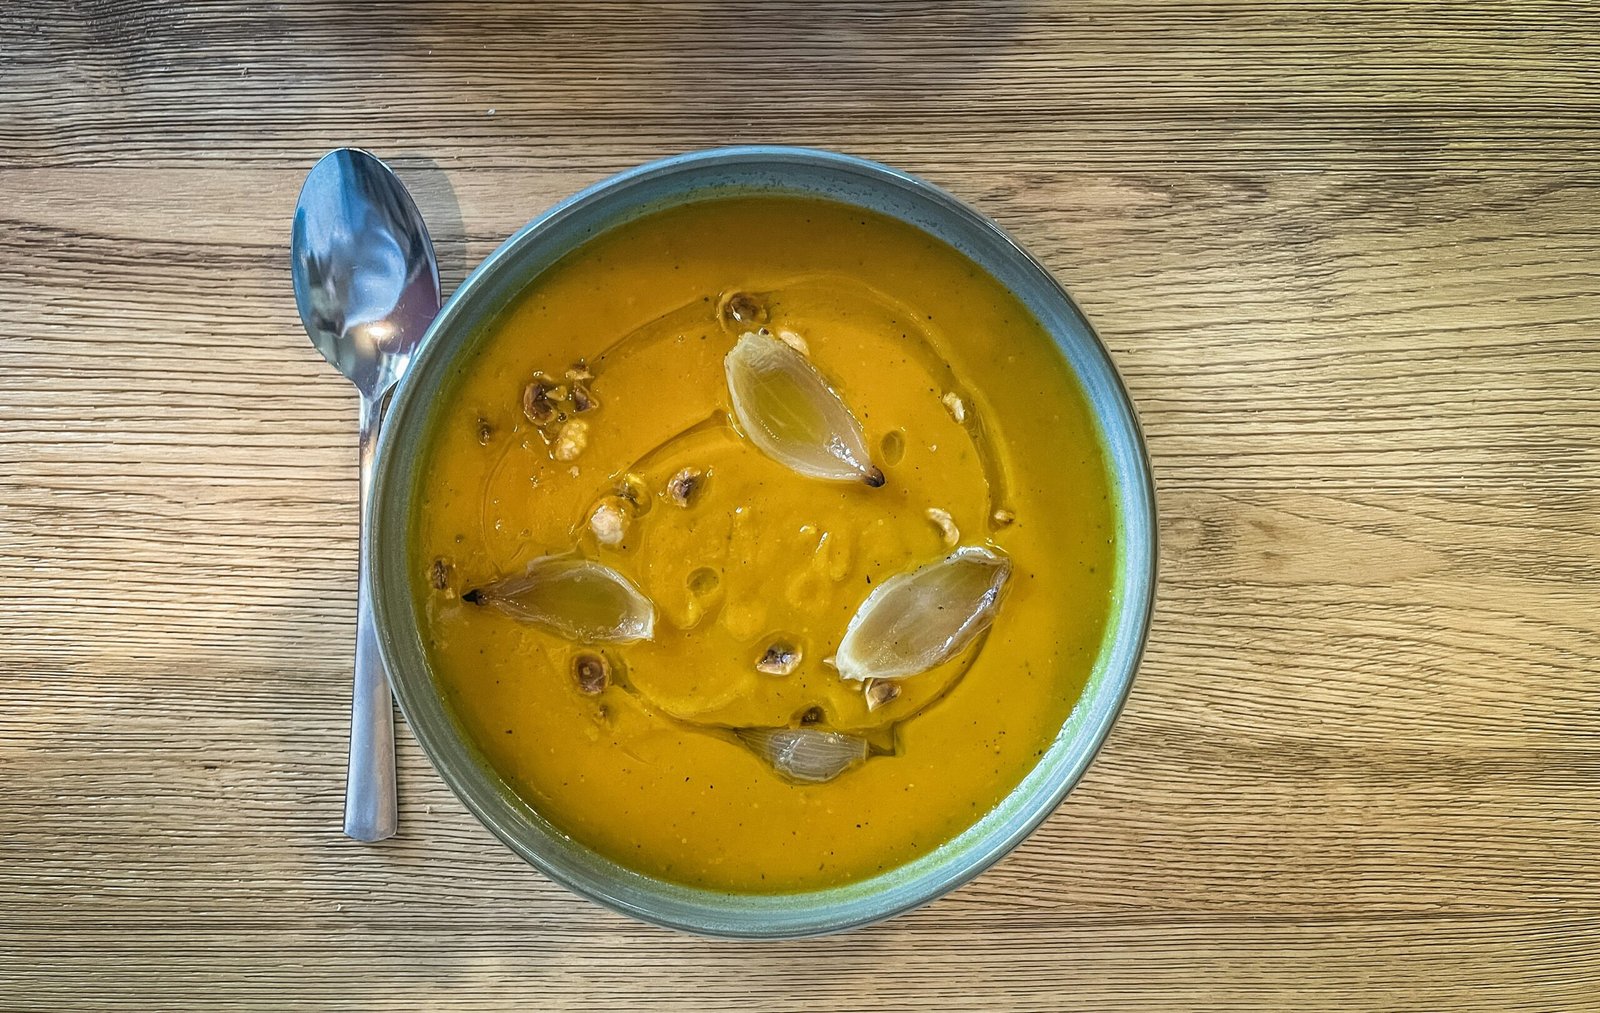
[{"x": 1347, "y": 256}]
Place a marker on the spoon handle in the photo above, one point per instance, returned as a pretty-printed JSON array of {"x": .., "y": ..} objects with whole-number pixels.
[{"x": 369, "y": 798}]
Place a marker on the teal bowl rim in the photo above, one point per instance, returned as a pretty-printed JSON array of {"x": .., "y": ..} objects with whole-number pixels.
[{"x": 452, "y": 340}]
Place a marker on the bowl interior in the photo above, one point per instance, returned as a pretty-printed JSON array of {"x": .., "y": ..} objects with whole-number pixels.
[{"x": 453, "y": 341}]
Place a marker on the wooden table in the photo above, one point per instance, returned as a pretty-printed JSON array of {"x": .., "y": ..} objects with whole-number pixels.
[{"x": 1347, "y": 256}]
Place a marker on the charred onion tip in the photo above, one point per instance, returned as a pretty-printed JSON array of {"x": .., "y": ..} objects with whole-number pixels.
[
  {"x": 874, "y": 478},
  {"x": 472, "y": 597}
]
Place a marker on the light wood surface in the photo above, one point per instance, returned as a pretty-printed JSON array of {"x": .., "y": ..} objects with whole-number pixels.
[{"x": 1347, "y": 256}]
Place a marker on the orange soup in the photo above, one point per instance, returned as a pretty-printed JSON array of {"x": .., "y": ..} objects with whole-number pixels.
[{"x": 764, "y": 545}]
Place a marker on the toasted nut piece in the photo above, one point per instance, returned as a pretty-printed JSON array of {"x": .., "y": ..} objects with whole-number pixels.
[
  {"x": 439, "y": 574},
  {"x": 592, "y": 671},
  {"x": 741, "y": 308},
  {"x": 1002, "y": 518},
  {"x": 537, "y": 401},
  {"x": 632, "y": 490},
  {"x": 682, "y": 487},
  {"x": 582, "y": 399},
  {"x": 879, "y": 692},
  {"x": 573, "y": 438},
  {"x": 781, "y": 658},
  {"x": 580, "y": 371},
  {"x": 956, "y": 406},
  {"x": 812, "y": 716},
  {"x": 609, "y": 522},
  {"x": 947, "y": 526}
]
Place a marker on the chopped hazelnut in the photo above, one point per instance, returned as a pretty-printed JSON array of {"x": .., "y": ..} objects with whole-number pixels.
[
  {"x": 956, "y": 406},
  {"x": 609, "y": 522},
  {"x": 1002, "y": 518},
  {"x": 879, "y": 692},
  {"x": 580, "y": 371},
  {"x": 439, "y": 574},
  {"x": 741, "y": 308},
  {"x": 781, "y": 658},
  {"x": 632, "y": 490},
  {"x": 537, "y": 404},
  {"x": 682, "y": 487},
  {"x": 947, "y": 526},
  {"x": 573, "y": 438},
  {"x": 592, "y": 671},
  {"x": 582, "y": 399}
]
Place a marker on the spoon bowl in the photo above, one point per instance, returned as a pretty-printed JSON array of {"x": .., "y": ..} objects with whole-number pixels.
[{"x": 365, "y": 278}]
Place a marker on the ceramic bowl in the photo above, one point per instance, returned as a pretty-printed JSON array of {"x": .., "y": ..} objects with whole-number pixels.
[{"x": 453, "y": 340}]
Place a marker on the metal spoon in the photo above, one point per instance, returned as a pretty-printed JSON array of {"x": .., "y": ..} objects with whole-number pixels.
[{"x": 367, "y": 285}]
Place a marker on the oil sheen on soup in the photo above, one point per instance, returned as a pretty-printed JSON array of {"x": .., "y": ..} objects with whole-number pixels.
[{"x": 764, "y": 544}]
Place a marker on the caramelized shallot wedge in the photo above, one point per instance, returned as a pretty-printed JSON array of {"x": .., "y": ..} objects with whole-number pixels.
[
  {"x": 578, "y": 599},
  {"x": 809, "y": 755},
  {"x": 919, "y": 620},
  {"x": 791, "y": 414}
]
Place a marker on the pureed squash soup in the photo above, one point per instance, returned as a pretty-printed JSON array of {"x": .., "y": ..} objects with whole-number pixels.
[{"x": 764, "y": 545}]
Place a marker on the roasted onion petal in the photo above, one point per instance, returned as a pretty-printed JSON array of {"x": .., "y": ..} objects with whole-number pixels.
[
  {"x": 577, "y": 598},
  {"x": 916, "y": 621},
  {"x": 790, "y": 413},
  {"x": 809, "y": 755}
]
